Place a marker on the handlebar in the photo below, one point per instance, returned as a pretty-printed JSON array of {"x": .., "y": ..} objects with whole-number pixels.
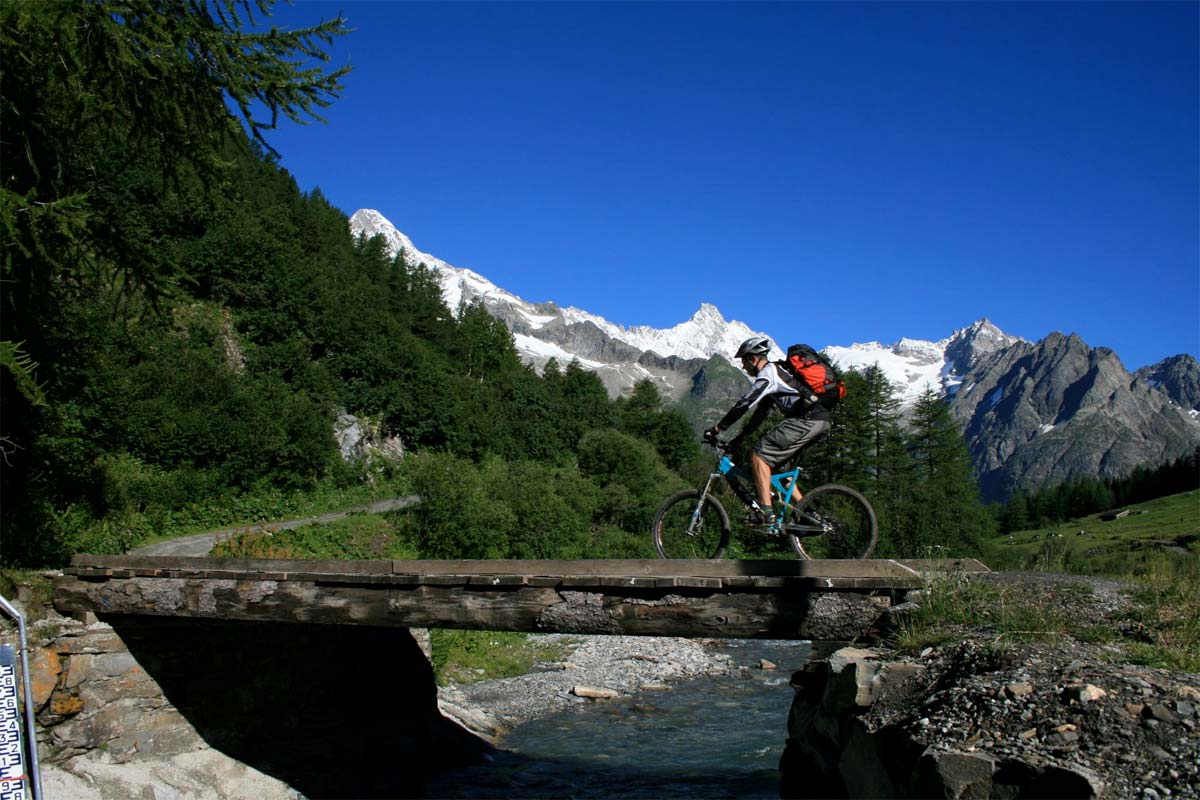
[{"x": 718, "y": 444}]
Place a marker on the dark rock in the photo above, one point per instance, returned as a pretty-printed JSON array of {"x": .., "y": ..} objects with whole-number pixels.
[
  {"x": 1160, "y": 712},
  {"x": 956, "y": 776}
]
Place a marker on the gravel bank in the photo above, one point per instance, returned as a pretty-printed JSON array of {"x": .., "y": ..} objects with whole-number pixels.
[{"x": 623, "y": 664}]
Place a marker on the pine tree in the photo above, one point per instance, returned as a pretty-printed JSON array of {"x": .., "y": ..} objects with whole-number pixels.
[{"x": 945, "y": 515}]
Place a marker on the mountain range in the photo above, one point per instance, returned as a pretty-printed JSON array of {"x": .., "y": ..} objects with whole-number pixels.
[{"x": 1033, "y": 413}]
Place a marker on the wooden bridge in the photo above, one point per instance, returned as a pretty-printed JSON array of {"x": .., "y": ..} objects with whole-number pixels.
[{"x": 834, "y": 600}]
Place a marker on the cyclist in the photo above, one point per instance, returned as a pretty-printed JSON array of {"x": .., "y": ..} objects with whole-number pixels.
[{"x": 805, "y": 419}]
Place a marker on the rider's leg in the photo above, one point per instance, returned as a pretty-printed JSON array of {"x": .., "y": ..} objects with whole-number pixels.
[
  {"x": 762, "y": 479},
  {"x": 797, "y": 495},
  {"x": 783, "y": 444}
]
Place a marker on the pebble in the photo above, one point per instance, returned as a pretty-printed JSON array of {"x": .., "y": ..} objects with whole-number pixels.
[{"x": 1020, "y": 689}]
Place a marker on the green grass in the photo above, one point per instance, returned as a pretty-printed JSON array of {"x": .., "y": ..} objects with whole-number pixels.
[
  {"x": 1115, "y": 547},
  {"x": 32, "y": 587},
  {"x": 123, "y": 531},
  {"x": 1007, "y": 613},
  {"x": 357, "y": 536},
  {"x": 1156, "y": 550},
  {"x": 1165, "y": 620},
  {"x": 471, "y": 656}
]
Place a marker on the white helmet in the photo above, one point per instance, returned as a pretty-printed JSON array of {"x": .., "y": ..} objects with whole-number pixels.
[{"x": 754, "y": 346}]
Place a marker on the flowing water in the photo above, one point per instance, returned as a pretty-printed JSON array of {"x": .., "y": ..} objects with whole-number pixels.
[{"x": 712, "y": 737}]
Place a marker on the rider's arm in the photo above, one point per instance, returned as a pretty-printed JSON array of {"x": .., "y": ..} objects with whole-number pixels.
[
  {"x": 756, "y": 419},
  {"x": 746, "y": 402}
]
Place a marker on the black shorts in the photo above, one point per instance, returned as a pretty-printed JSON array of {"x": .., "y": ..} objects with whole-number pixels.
[{"x": 785, "y": 441}]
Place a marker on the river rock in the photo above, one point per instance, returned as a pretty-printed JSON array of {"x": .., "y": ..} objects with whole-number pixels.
[
  {"x": 1083, "y": 693},
  {"x": 594, "y": 692},
  {"x": 1019, "y": 689}
]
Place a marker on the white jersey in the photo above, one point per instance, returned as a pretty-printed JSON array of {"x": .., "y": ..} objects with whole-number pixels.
[{"x": 773, "y": 388}]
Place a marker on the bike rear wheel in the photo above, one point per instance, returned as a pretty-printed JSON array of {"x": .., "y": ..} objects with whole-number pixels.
[
  {"x": 685, "y": 528},
  {"x": 833, "y": 522}
]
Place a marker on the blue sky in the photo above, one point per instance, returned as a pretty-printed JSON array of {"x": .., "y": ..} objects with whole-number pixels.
[{"x": 829, "y": 173}]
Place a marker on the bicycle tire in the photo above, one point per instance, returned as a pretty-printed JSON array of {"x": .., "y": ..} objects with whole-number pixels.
[
  {"x": 854, "y": 529},
  {"x": 670, "y": 533}
]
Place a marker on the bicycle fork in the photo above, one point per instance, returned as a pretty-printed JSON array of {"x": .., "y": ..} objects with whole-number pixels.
[{"x": 697, "y": 513}]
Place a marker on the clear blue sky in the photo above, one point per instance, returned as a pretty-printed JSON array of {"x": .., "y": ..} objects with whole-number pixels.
[{"x": 829, "y": 173}]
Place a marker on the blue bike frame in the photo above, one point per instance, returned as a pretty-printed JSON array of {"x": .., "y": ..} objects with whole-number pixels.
[{"x": 781, "y": 484}]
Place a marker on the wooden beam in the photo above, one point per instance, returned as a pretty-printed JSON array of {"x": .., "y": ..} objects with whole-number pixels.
[
  {"x": 828, "y": 573},
  {"x": 671, "y": 610},
  {"x": 830, "y": 599}
]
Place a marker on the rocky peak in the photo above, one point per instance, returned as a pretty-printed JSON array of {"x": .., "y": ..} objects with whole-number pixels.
[
  {"x": 1039, "y": 414},
  {"x": 1178, "y": 376},
  {"x": 967, "y": 345}
]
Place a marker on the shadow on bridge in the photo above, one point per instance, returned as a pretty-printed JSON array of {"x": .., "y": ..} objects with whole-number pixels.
[{"x": 331, "y": 710}]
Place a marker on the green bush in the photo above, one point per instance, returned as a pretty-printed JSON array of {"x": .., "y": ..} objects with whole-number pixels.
[
  {"x": 457, "y": 517},
  {"x": 631, "y": 475},
  {"x": 528, "y": 509}
]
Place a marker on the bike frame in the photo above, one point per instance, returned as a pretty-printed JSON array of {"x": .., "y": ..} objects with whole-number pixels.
[{"x": 782, "y": 484}]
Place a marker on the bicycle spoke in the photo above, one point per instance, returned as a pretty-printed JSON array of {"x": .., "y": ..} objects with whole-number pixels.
[
  {"x": 833, "y": 522},
  {"x": 682, "y": 531}
]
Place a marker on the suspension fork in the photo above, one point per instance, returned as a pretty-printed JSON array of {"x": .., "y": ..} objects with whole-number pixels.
[
  {"x": 704, "y": 494},
  {"x": 705, "y": 491}
]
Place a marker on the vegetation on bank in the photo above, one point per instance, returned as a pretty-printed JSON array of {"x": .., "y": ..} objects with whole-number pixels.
[
  {"x": 473, "y": 656},
  {"x": 1155, "y": 550}
]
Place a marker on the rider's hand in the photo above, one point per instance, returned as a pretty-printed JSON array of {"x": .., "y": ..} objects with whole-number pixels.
[{"x": 710, "y": 435}]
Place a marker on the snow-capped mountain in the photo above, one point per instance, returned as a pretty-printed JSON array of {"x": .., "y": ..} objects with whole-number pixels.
[
  {"x": 624, "y": 355},
  {"x": 620, "y": 355},
  {"x": 912, "y": 365}
]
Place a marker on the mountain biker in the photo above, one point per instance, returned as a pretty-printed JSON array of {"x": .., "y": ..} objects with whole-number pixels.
[{"x": 805, "y": 420}]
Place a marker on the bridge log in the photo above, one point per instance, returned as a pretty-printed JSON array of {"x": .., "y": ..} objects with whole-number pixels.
[{"x": 831, "y": 600}]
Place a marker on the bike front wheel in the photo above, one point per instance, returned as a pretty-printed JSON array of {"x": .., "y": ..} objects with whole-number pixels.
[
  {"x": 833, "y": 522},
  {"x": 685, "y": 527}
]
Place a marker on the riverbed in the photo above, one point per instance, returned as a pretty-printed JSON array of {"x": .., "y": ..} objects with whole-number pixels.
[{"x": 718, "y": 734}]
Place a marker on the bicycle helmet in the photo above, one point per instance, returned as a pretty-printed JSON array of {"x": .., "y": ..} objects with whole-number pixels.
[{"x": 754, "y": 346}]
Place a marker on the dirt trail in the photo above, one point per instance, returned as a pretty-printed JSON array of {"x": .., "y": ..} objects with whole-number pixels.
[{"x": 201, "y": 543}]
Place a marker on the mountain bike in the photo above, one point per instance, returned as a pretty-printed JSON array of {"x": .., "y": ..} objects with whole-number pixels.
[{"x": 830, "y": 521}]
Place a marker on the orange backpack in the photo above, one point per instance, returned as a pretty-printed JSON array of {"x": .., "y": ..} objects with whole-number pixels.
[{"x": 814, "y": 371}]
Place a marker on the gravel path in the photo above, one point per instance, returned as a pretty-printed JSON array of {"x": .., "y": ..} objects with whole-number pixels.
[{"x": 202, "y": 543}]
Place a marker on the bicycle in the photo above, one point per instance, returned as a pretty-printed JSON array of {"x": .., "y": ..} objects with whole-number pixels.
[{"x": 830, "y": 521}]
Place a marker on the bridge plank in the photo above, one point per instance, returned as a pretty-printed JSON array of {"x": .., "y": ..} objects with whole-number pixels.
[
  {"x": 663, "y": 611},
  {"x": 496, "y": 580},
  {"x": 370, "y": 571},
  {"x": 783, "y": 598}
]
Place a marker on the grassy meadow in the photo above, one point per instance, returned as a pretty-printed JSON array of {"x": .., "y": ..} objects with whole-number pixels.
[{"x": 1154, "y": 549}]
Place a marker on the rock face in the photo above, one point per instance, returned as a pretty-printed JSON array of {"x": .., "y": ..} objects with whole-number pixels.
[
  {"x": 1038, "y": 414},
  {"x": 972, "y": 721},
  {"x": 1179, "y": 377},
  {"x": 362, "y": 441}
]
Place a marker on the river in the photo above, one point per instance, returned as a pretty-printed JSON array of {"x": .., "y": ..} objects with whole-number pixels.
[{"x": 712, "y": 737}]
